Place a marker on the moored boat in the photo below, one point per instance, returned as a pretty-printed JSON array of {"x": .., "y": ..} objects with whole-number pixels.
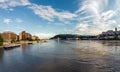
[
  {"x": 11, "y": 46},
  {"x": 30, "y": 43}
]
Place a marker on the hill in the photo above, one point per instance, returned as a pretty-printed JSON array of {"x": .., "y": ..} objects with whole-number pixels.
[{"x": 73, "y": 37}]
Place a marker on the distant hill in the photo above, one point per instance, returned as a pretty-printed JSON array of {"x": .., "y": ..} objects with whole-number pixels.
[
  {"x": 65, "y": 36},
  {"x": 73, "y": 37}
]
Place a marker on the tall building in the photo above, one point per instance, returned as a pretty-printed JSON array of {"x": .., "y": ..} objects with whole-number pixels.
[
  {"x": 24, "y": 36},
  {"x": 9, "y": 36},
  {"x": 28, "y": 36}
]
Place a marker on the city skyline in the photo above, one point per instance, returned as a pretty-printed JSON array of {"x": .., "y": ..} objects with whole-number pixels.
[{"x": 46, "y": 18}]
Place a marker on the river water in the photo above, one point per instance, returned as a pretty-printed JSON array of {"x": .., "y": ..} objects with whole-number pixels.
[{"x": 62, "y": 56}]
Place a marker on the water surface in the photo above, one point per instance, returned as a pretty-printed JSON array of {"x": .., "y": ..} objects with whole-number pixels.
[{"x": 62, "y": 56}]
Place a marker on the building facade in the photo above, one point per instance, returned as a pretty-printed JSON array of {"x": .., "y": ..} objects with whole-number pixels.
[
  {"x": 110, "y": 34},
  {"x": 9, "y": 36},
  {"x": 25, "y": 36},
  {"x": 34, "y": 37}
]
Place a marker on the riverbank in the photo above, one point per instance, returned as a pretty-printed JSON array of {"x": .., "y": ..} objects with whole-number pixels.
[
  {"x": 22, "y": 42},
  {"x": 1, "y": 46}
]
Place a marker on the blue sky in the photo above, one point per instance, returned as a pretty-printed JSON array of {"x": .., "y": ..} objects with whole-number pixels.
[{"x": 46, "y": 18}]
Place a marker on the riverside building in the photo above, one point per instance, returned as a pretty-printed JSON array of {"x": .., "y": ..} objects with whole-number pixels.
[
  {"x": 25, "y": 36},
  {"x": 9, "y": 36}
]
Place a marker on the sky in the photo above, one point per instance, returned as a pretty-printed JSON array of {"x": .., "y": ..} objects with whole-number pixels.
[{"x": 46, "y": 18}]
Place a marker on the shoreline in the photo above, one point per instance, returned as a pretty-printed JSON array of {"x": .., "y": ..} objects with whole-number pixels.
[
  {"x": 22, "y": 42},
  {"x": 1, "y": 47}
]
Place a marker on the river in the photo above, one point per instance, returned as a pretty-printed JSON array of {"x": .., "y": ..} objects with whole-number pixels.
[{"x": 62, "y": 56}]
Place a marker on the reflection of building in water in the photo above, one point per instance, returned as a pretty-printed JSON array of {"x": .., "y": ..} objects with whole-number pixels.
[
  {"x": 110, "y": 34},
  {"x": 1, "y": 53}
]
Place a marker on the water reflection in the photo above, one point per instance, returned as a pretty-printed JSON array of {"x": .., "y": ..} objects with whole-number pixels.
[
  {"x": 110, "y": 43},
  {"x": 1, "y": 53},
  {"x": 63, "y": 56}
]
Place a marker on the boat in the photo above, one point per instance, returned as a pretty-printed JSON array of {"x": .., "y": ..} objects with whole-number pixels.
[
  {"x": 7, "y": 47},
  {"x": 30, "y": 43},
  {"x": 11, "y": 46}
]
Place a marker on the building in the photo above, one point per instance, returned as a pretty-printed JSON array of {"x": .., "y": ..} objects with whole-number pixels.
[
  {"x": 25, "y": 36},
  {"x": 110, "y": 34},
  {"x": 22, "y": 35},
  {"x": 9, "y": 36},
  {"x": 35, "y": 37}
]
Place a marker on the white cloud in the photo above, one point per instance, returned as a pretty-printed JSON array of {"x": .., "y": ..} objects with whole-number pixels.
[
  {"x": 44, "y": 35},
  {"x": 86, "y": 29},
  {"x": 18, "y": 20},
  {"x": 117, "y": 3},
  {"x": 7, "y": 20},
  {"x": 20, "y": 28},
  {"x": 2, "y": 0},
  {"x": 93, "y": 7},
  {"x": 94, "y": 18},
  {"x": 96, "y": 28},
  {"x": 107, "y": 15},
  {"x": 6, "y": 4},
  {"x": 45, "y": 12},
  {"x": 82, "y": 27},
  {"x": 48, "y": 13},
  {"x": 85, "y": 18},
  {"x": 66, "y": 22},
  {"x": 11, "y": 9},
  {"x": 90, "y": 15},
  {"x": 112, "y": 22},
  {"x": 65, "y": 15}
]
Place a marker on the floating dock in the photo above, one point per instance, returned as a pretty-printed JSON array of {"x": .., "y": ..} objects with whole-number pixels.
[{"x": 11, "y": 46}]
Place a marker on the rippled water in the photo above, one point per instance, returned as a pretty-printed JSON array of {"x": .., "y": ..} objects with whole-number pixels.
[{"x": 62, "y": 56}]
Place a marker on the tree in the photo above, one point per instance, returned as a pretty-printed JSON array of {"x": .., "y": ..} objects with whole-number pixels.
[
  {"x": 13, "y": 40},
  {"x": 1, "y": 40}
]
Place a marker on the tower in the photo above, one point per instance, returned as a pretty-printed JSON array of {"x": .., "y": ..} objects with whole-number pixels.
[
  {"x": 116, "y": 29},
  {"x": 116, "y": 34}
]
